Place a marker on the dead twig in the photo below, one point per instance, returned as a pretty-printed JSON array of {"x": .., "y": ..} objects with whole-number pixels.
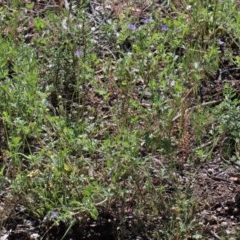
[{"x": 188, "y": 110}]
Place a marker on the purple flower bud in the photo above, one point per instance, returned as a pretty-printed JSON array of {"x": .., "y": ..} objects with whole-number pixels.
[
  {"x": 164, "y": 27},
  {"x": 78, "y": 53},
  {"x": 146, "y": 20},
  {"x": 54, "y": 214},
  {"x": 132, "y": 27}
]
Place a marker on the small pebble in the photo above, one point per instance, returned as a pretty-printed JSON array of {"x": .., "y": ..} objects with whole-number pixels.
[
  {"x": 224, "y": 224},
  {"x": 34, "y": 236}
]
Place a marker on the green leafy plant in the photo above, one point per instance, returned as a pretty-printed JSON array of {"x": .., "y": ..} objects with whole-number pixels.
[{"x": 227, "y": 125}]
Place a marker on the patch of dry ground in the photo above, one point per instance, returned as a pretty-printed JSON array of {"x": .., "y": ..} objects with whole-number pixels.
[{"x": 217, "y": 188}]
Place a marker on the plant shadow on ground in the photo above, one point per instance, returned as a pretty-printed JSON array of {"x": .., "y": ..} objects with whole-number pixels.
[{"x": 119, "y": 120}]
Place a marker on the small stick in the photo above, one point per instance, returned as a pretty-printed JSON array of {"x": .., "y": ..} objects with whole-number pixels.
[{"x": 194, "y": 107}]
